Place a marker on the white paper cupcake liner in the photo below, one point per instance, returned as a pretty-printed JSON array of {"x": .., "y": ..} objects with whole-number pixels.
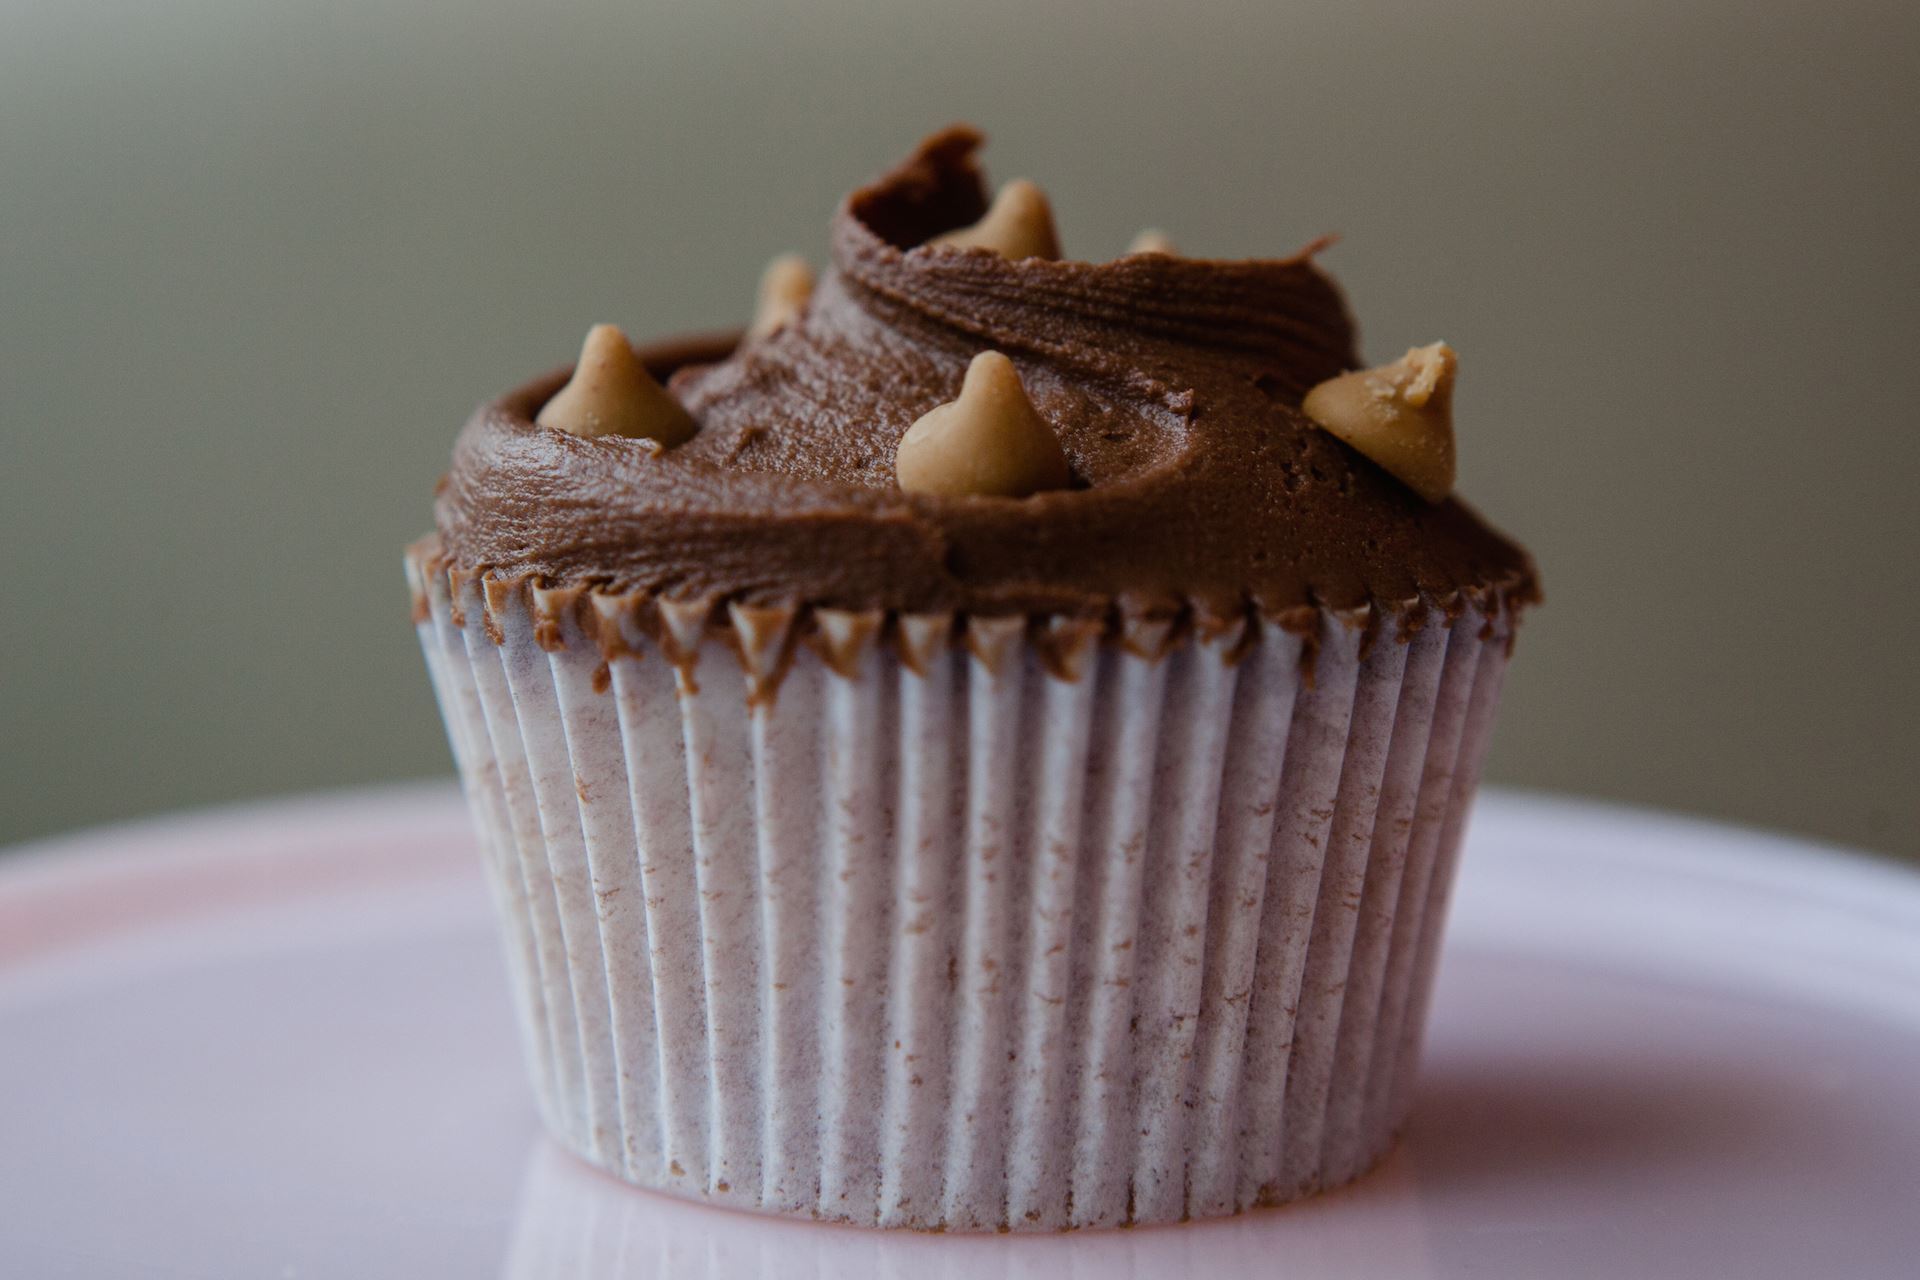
[{"x": 1032, "y": 930}]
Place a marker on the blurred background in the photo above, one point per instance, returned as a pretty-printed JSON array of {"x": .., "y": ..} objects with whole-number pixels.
[{"x": 259, "y": 258}]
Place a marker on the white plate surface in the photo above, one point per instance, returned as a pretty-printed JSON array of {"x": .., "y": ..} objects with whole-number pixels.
[{"x": 275, "y": 1042}]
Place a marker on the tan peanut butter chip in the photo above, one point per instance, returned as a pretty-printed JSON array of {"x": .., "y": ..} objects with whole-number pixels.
[
  {"x": 612, "y": 394},
  {"x": 991, "y": 441},
  {"x": 1400, "y": 415},
  {"x": 1018, "y": 225},
  {"x": 1152, "y": 240},
  {"x": 785, "y": 286}
]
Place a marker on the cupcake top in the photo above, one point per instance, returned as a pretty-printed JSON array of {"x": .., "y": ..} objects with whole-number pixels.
[{"x": 1181, "y": 472}]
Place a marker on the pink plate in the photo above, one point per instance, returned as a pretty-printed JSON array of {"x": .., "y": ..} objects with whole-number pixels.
[{"x": 275, "y": 1042}]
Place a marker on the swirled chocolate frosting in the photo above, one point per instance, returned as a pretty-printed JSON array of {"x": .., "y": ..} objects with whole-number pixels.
[{"x": 1174, "y": 384}]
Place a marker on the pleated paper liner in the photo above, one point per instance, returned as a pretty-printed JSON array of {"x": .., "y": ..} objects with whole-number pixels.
[{"x": 966, "y": 925}]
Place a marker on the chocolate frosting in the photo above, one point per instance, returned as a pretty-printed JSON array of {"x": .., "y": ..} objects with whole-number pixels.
[{"x": 1174, "y": 383}]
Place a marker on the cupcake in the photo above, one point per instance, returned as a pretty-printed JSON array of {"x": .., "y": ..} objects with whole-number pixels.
[{"x": 986, "y": 748}]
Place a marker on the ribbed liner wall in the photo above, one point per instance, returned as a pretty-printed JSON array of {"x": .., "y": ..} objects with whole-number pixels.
[{"x": 978, "y": 948}]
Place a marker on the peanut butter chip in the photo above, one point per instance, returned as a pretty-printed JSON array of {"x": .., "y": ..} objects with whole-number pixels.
[
  {"x": 1019, "y": 225},
  {"x": 991, "y": 441},
  {"x": 612, "y": 394},
  {"x": 785, "y": 286},
  {"x": 1152, "y": 240},
  {"x": 1400, "y": 415}
]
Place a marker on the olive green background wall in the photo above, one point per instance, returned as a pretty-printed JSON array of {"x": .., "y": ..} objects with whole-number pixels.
[{"x": 258, "y": 259}]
